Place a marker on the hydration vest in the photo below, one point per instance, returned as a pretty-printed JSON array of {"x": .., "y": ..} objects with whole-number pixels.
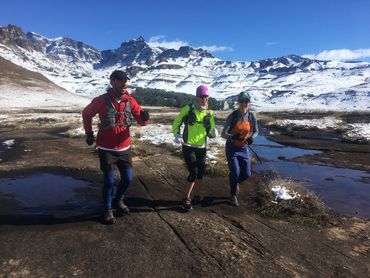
[
  {"x": 243, "y": 127},
  {"x": 190, "y": 118},
  {"x": 111, "y": 117}
]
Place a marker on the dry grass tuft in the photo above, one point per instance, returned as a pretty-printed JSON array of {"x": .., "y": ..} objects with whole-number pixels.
[{"x": 307, "y": 208}]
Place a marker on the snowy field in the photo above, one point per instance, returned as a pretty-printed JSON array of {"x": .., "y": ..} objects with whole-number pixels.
[
  {"x": 359, "y": 132},
  {"x": 159, "y": 135},
  {"x": 323, "y": 123},
  {"x": 18, "y": 98}
]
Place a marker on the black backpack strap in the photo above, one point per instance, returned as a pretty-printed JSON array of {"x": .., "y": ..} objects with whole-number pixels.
[
  {"x": 234, "y": 119},
  {"x": 107, "y": 100},
  {"x": 207, "y": 121},
  {"x": 250, "y": 117},
  {"x": 108, "y": 103},
  {"x": 185, "y": 119},
  {"x": 109, "y": 119}
]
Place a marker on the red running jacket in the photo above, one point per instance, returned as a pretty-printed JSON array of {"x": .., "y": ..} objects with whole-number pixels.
[{"x": 116, "y": 138}]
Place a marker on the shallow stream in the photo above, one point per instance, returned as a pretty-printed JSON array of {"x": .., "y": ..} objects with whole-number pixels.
[{"x": 345, "y": 190}]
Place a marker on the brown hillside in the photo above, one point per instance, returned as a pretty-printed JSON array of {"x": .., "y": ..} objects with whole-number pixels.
[{"x": 11, "y": 73}]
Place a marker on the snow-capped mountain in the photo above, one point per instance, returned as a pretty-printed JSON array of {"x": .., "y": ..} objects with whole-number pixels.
[
  {"x": 134, "y": 51},
  {"x": 65, "y": 49},
  {"x": 285, "y": 82}
]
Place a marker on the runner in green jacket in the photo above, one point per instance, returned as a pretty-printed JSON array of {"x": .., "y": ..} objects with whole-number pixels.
[{"x": 199, "y": 123}]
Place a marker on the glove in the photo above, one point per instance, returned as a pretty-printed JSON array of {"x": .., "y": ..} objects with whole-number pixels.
[
  {"x": 213, "y": 133},
  {"x": 237, "y": 136},
  {"x": 144, "y": 115},
  {"x": 178, "y": 139},
  {"x": 90, "y": 138},
  {"x": 250, "y": 141},
  {"x": 207, "y": 123}
]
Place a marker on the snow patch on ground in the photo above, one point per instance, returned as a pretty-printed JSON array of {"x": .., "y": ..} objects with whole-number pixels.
[
  {"x": 9, "y": 143},
  {"x": 323, "y": 123},
  {"x": 281, "y": 193},
  {"x": 159, "y": 134},
  {"x": 156, "y": 134},
  {"x": 75, "y": 133},
  {"x": 359, "y": 132}
]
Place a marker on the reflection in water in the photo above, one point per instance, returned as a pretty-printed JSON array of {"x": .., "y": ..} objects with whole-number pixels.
[
  {"x": 345, "y": 190},
  {"x": 47, "y": 193}
]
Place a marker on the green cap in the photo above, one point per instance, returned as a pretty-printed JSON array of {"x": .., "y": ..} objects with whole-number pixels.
[{"x": 244, "y": 96}]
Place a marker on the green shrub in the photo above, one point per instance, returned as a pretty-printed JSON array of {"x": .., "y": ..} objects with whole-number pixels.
[{"x": 157, "y": 97}]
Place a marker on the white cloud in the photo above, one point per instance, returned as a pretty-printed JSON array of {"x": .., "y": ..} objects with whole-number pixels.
[
  {"x": 157, "y": 38},
  {"x": 340, "y": 54},
  {"x": 160, "y": 41},
  {"x": 216, "y": 48}
]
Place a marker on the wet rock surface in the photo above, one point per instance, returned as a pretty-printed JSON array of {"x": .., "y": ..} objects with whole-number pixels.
[{"x": 157, "y": 239}]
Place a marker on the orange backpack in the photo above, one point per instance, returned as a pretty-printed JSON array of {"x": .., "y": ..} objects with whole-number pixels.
[{"x": 240, "y": 126}]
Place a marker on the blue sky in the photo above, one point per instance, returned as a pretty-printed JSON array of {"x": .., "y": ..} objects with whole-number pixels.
[{"x": 231, "y": 30}]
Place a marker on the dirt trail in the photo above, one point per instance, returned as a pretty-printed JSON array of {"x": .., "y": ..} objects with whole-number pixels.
[{"x": 158, "y": 239}]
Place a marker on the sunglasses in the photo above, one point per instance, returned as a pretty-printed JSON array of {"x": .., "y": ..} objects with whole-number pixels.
[
  {"x": 244, "y": 101},
  {"x": 121, "y": 80},
  {"x": 203, "y": 96}
]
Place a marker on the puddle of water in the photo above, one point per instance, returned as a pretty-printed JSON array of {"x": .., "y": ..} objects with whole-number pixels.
[
  {"x": 4, "y": 149},
  {"x": 345, "y": 190},
  {"x": 47, "y": 193},
  {"x": 262, "y": 140},
  {"x": 273, "y": 151}
]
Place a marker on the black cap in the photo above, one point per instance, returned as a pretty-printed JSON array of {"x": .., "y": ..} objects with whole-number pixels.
[{"x": 119, "y": 75}]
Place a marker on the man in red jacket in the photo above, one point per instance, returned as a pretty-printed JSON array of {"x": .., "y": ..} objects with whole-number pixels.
[{"x": 116, "y": 110}]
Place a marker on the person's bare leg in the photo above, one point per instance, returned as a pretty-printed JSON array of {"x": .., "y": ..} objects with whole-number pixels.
[
  {"x": 196, "y": 187},
  {"x": 188, "y": 189},
  {"x": 197, "y": 198}
]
